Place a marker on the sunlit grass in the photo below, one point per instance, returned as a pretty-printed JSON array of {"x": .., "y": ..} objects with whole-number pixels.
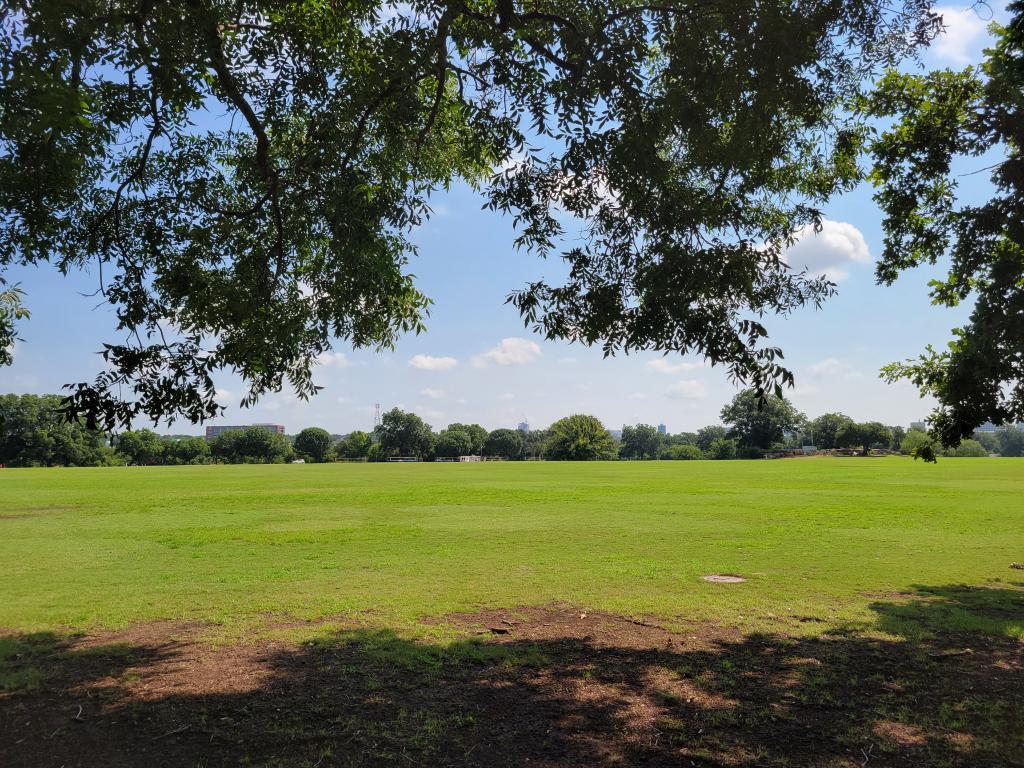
[{"x": 820, "y": 541}]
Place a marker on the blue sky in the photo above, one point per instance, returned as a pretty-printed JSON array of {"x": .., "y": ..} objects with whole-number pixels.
[{"x": 477, "y": 363}]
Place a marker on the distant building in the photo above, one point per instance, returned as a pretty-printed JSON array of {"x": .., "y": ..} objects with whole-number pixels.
[
  {"x": 523, "y": 426},
  {"x": 212, "y": 432},
  {"x": 662, "y": 429},
  {"x": 616, "y": 434},
  {"x": 989, "y": 428},
  {"x": 919, "y": 425}
]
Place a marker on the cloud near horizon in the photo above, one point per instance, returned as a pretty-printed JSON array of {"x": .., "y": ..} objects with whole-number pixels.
[
  {"x": 663, "y": 365},
  {"x": 687, "y": 389},
  {"x": 510, "y": 351},
  {"x": 333, "y": 360},
  {"x": 431, "y": 363}
]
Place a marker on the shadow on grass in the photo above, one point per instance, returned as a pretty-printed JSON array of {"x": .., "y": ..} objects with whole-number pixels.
[{"x": 554, "y": 691}]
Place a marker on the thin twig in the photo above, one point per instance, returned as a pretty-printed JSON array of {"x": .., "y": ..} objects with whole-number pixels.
[{"x": 182, "y": 729}]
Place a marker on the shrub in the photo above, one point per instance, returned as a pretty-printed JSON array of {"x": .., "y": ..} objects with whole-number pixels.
[
  {"x": 722, "y": 448},
  {"x": 685, "y": 452},
  {"x": 970, "y": 449}
]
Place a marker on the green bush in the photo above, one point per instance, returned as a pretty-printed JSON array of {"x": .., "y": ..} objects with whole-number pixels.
[{"x": 685, "y": 452}]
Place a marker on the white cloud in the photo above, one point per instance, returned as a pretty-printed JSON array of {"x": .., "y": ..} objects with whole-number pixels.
[
  {"x": 687, "y": 389},
  {"x": 662, "y": 365},
  {"x": 432, "y": 414},
  {"x": 829, "y": 252},
  {"x": 960, "y": 40},
  {"x": 333, "y": 360},
  {"x": 431, "y": 363},
  {"x": 831, "y": 367},
  {"x": 511, "y": 351},
  {"x": 506, "y": 396},
  {"x": 637, "y": 396},
  {"x": 433, "y": 394}
]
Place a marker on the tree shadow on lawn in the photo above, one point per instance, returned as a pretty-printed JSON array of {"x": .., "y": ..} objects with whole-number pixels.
[{"x": 554, "y": 689}]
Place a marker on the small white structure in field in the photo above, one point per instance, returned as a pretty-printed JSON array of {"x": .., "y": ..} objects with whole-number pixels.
[{"x": 469, "y": 458}]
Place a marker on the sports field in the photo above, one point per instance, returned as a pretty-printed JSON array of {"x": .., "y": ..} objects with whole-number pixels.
[{"x": 882, "y": 572}]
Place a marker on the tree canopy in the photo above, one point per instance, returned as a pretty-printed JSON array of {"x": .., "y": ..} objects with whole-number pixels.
[
  {"x": 939, "y": 117},
  {"x": 404, "y": 434},
  {"x": 640, "y": 442},
  {"x": 761, "y": 423},
  {"x": 314, "y": 443},
  {"x": 506, "y": 443},
  {"x": 690, "y": 140},
  {"x": 579, "y": 438}
]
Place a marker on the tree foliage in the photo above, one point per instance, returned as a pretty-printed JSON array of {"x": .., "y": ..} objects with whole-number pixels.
[
  {"x": 760, "y": 423},
  {"x": 253, "y": 445},
  {"x": 940, "y": 117},
  {"x": 865, "y": 436},
  {"x": 355, "y": 446},
  {"x": 708, "y": 435},
  {"x": 1011, "y": 441},
  {"x": 826, "y": 428},
  {"x": 685, "y": 452},
  {"x": 34, "y": 433},
  {"x": 186, "y": 450},
  {"x": 506, "y": 443},
  {"x": 314, "y": 443},
  {"x": 140, "y": 446},
  {"x": 404, "y": 434},
  {"x": 453, "y": 442},
  {"x": 477, "y": 436},
  {"x": 690, "y": 140},
  {"x": 640, "y": 442},
  {"x": 579, "y": 438},
  {"x": 721, "y": 448}
]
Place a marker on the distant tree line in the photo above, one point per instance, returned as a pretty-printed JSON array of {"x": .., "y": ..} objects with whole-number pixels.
[{"x": 34, "y": 432}]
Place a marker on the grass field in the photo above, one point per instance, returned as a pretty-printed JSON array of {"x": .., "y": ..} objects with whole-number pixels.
[
  {"x": 541, "y": 614},
  {"x": 101, "y": 548}
]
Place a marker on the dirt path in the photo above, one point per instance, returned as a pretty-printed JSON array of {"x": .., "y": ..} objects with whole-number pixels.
[{"x": 531, "y": 687}]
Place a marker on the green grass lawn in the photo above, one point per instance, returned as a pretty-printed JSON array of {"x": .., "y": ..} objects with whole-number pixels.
[{"x": 822, "y": 542}]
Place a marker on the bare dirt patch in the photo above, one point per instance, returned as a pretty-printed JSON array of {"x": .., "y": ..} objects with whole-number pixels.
[
  {"x": 20, "y": 513},
  {"x": 554, "y": 686},
  {"x": 724, "y": 578}
]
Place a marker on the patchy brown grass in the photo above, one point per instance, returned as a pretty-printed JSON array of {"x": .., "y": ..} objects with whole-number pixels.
[{"x": 551, "y": 686}]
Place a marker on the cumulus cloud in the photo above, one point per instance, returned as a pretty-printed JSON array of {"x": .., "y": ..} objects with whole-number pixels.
[
  {"x": 511, "y": 351},
  {"x": 829, "y": 252},
  {"x": 687, "y": 389},
  {"x": 663, "y": 365},
  {"x": 433, "y": 394},
  {"x": 832, "y": 367},
  {"x": 431, "y": 363},
  {"x": 333, "y": 360},
  {"x": 964, "y": 29}
]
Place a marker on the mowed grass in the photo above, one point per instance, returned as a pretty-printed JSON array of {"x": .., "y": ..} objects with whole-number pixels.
[{"x": 821, "y": 542}]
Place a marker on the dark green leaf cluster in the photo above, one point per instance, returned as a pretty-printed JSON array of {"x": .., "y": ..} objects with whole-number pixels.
[
  {"x": 579, "y": 438},
  {"x": 243, "y": 176},
  {"x": 34, "y": 433},
  {"x": 761, "y": 423},
  {"x": 937, "y": 118}
]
